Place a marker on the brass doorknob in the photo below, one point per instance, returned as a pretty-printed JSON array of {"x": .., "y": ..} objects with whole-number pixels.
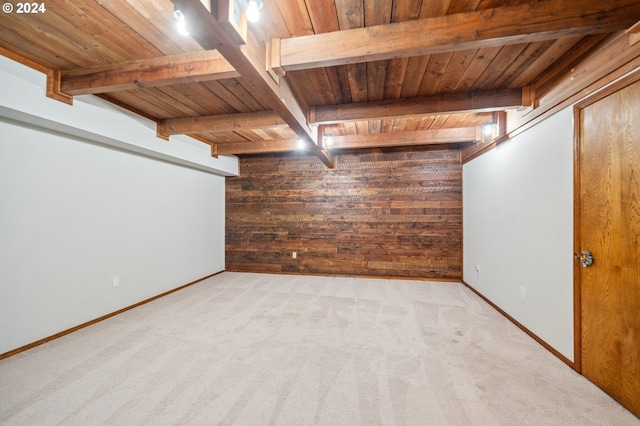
[{"x": 585, "y": 257}]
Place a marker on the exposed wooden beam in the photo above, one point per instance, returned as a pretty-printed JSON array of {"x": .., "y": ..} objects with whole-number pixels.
[
  {"x": 524, "y": 23},
  {"x": 53, "y": 88},
  {"x": 501, "y": 125},
  {"x": 53, "y": 76},
  {"x": 634, "y": 33},
  {"x": 496, "y": 131},
  {"x": 376, "y": 140},
  {"x": 211, "y": 30},
  {"x": 261, "y": 147},
  {"x": 419, "y": 137},
  {"x": 161, "y": 71},
  {"x": 220, "y": 123},
  {"x": 443, "y": 104}
]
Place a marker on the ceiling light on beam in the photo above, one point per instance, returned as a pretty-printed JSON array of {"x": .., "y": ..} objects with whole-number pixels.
[
  {"x": 182, "y": 24},
  {"x": 253, "y": 10},
  {"x": 301, "y": 144},
  {"x": 328, "y": 141},
  {"x": 487, "y": 128}
]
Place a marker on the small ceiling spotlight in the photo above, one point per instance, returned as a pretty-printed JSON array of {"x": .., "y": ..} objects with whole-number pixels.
[
  {"x": 301, "y": 144},
  {"x": 253, "y": 10},
  {"x": 328, "y": 141},
  {"x": 182, "y": 24},
  {"x": 487, "y": 129}
]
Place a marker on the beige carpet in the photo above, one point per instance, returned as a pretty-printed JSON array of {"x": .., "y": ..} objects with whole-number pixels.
[{"x": 253, "y": 349}]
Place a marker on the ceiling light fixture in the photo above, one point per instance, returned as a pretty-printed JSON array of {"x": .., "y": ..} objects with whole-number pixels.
[
  {"x": 301, "y": 144},
  {"x": 328, "y": 141},
  {"x": 487, "y": 129},
  {"x": 182, "y": 24},
  {"x": 253, "y": 10}
]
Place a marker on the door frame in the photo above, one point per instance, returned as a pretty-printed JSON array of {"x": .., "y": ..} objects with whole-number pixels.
[{"x": 619, "y": 84}]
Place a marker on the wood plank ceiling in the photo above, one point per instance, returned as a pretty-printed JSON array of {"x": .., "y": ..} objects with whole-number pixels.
[{"x": 367, "y": 72}]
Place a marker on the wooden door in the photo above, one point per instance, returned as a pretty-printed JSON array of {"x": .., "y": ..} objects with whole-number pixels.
[{"x": 608, "y": 225}]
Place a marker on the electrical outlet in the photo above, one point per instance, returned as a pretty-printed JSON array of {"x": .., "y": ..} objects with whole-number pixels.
[
  {"x": 478, "y": 269},
  {"x": 116, "y": 281},
  {"x": 523, "y": 293},
  {"x": 294, "y": 255}
]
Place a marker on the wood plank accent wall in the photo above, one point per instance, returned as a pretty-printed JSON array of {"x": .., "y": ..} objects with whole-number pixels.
[{"x": 391, "y": 212}]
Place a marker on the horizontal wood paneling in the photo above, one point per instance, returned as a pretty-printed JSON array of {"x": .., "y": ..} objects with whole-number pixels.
[{"x": 393, "y": 212}]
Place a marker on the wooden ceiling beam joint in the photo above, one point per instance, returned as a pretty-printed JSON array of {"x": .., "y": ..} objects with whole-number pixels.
[
  {"x": 54, "y": 90},
  {"x": 634, "y": 33},
  {"x": 275, "y": 53}
]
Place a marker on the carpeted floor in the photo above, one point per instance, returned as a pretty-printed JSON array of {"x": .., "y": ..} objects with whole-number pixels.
[{"x": 254, "y": 349}]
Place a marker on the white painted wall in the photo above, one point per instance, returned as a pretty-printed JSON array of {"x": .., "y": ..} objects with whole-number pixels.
[
  {"x": 22, "y": 102},
  {"x": 75, "y": 212},
  {"x": 518, "y": 227}
]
